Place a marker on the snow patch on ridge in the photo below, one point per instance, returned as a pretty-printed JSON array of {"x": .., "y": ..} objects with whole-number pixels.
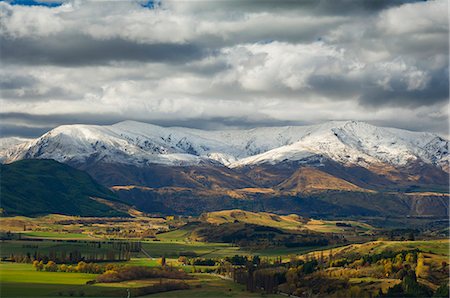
[{"x": 131, "y": 142}]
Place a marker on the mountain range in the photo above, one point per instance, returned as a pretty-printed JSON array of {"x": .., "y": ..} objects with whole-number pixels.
[{"x": 184, "y": 170}]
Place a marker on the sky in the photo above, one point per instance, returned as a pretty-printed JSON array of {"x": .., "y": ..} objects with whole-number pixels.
[{"x": 223, "y": 64}]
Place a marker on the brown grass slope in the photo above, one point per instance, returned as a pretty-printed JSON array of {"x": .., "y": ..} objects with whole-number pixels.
[{"x": 307, "y": 179}]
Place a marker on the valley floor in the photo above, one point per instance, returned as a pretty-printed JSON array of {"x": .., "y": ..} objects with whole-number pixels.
[{"x": 360, "y": 266}]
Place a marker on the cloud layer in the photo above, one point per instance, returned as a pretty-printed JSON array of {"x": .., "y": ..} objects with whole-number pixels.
[{"x": 216, "y": 64}]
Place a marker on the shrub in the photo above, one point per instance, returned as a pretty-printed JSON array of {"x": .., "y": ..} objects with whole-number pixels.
[
  {"x": 132, "y": 273},
  {"x": 51, "y": 266}
]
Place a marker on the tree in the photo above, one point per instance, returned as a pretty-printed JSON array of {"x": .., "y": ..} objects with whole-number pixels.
[
  {"x": 182, "y": 260},
  {"x": 387, "y": 267},
  {"x": 292, "y": 279},
  {"x": 40, "y": 266},
  {"x": 422, "y": 270},
  {"x": 51, "y": 266},
  {"x": 256, "y": 260},
  {"x": 410, "y": 258},
  {"x": 162, "y": 261},
  {"x": 81, "y": 267}
]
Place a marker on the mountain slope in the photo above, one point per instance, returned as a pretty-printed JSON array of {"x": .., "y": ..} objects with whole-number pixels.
[
  {"x": 36, "y": 187},
  {"x": 352, "y": 168},
  {"x": 141, "y": 144},
  {"x": 309, "y": 179},
  {"x": 8, "y": 143}
]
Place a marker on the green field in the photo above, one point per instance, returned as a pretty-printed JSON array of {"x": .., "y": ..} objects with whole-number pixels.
[
  {"x": 22, "y": 280},
  {"x": 56, "y": 235},
  {"x": 176, "y": 235},
  {"x": 158, "y": 249}
]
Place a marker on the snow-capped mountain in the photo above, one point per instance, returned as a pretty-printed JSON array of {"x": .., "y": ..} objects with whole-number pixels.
[
  {"x": 8, "y": 143},
  {"x": 141, "y": 144}
]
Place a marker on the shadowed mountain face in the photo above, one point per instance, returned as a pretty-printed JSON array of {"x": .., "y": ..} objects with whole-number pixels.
[
  {"x": 37, "y": 187},
  {"x": 333, "y": 169}
]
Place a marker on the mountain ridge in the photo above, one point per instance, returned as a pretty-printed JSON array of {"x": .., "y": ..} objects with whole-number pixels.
[
  {"x": 140, "y": 144},
  {"x": 332, "y": 169}
]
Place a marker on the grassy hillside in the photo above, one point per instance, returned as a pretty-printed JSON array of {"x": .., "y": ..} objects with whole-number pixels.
[
  {"x": 287, "y": 222},
  {"x": 36, "y": 187},
  {"x": 262, "y": 230},
  {"x": 307, "y": 179},
  {"x": 438, "y": 247}
]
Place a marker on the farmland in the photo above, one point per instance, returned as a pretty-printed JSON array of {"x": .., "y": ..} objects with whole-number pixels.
[{"x": 84, "y": 248}]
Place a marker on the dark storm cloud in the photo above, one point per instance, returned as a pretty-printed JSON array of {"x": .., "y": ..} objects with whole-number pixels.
[
  {"x": 28, "y": 88},
  {"x": 35, "y": 125},
  {"x": 12, "y": 82},
  {"x": 13, "y": 130},
  {"x": 327, "y": 7},
  {"x": 436, "y": 91},
  {"x": 336, "y": 86},
  {"x": 32, "y": 126},
  {"x": 52, "y": 120},
  {"x": 80, "y": 50},
  {"x": 372, "y": 95},
  {"x": 420, "y": 122}
]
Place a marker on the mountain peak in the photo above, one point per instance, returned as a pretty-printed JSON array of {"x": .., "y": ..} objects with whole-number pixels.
[{"x": 138, "y": 143}]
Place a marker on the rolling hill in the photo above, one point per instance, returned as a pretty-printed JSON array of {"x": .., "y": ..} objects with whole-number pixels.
[{"x": 36, "y": 187}]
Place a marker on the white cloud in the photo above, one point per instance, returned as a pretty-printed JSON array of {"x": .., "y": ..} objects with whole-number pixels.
[{"x": 251, "y": 62}]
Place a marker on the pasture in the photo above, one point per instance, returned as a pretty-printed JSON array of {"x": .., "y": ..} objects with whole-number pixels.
[{"x": 22, "y": 280}]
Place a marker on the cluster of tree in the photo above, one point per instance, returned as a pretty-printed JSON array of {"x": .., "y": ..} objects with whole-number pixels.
[
  {"x": 128, "y": 246},
  {"x": 104, "y": 251},
  {"x": 237, "y": 260},
  {"x": 140, "y": 272},
  {"x": 89, "y": 221},
  {"x": 317, "y": 275},
  {"x": 409, "y": 287},
  {"x": 402, "y": 234},
  {"x": 257, "y": 274},
  {"x": 316, "y": 284},
  {"x": 406, "y": 265},
  {"x": 73, "y": 256},
  {"x": 203, "y": 262},
  {"x": 81, "y": 267},
  {"x": 131, "y": 233},
  {"x": 368, "y": 259},
  {"x": 10, "y": 236}
]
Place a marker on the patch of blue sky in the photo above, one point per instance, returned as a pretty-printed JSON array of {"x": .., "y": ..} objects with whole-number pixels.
[
  {"x": 150, "y": 4},
  {"x": 34, "y": 3}
]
